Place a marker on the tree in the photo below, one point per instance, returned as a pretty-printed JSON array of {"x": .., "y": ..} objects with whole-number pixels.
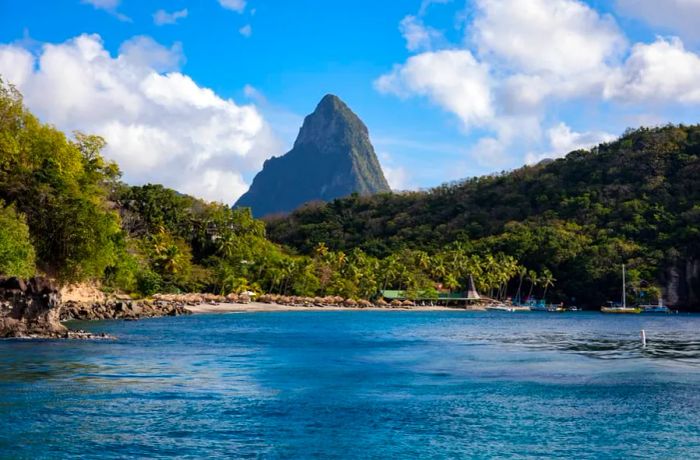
[
  {"x": 16, "y": 250},
  {"x": 547, "y": 280},
  {"x": 60, "y": 186},
  {"x": 522, "y": 273},
  {"x": 533, "y": 278}
]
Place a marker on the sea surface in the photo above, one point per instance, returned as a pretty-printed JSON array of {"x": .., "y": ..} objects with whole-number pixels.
[{"x": 358, "y": 384}]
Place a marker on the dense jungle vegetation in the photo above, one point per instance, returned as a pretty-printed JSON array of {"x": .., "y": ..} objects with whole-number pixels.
[{"x": 559, "y": 229}]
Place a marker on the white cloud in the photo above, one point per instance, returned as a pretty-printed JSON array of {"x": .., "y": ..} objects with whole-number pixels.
[
  {"x": 143, "y": 51},
  {"x": 110, "y": 6},
  {"x": 509, "y": 134},
  {"x": 160, "y": 127},
  {"x": 453, "y": 79},
  {"x": 396, "y": 175},
  {"x": 246, "y": 30},
  {"x": 660, "y": 72},
  {"x": 16, "y": 62},
  {"x": 562, "y": 141},
  {"x": 523, "y": 63},
  {"x": 234, "y": 5},
  {"x": 677, "y": 16},
  {"x": 417, "y": 35},
  {"x": 563, "y": 37},
  {"x": 162, "y": 17}
]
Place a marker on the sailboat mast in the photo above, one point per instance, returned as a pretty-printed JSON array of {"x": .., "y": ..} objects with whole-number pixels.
[{"x": 624, "y": 288}]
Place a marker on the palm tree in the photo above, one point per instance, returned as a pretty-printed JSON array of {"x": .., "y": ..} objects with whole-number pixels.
[
  {"x": 522, "y": 272},
  {"x": 226, "y": 244},
  {"x": 547, "y": 281},
  {"x": 533, "y": 278}
]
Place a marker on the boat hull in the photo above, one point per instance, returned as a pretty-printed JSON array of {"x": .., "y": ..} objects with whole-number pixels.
[{"x": 620, "y": 310}]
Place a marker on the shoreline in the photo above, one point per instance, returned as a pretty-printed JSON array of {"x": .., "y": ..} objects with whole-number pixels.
[{"x": 259, "y": 307}]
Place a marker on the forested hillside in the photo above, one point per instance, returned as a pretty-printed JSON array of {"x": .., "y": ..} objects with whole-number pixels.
[
  {"x": 65, "y": 212},
  {"x": 636, "y": 200},
  {"x": 559, "y": 229}
]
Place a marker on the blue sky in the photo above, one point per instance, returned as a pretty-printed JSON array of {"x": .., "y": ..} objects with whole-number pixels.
[{"x": 448, "y": 89}]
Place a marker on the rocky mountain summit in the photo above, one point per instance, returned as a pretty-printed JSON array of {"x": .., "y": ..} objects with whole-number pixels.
[{"x": 332, "y": 158}]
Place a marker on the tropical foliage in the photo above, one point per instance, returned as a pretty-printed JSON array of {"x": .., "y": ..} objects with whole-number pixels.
[
  {"x": 635, "y": 200},
  {"x": 16, "y": 250},
  {"x": 559, "y": 229}
]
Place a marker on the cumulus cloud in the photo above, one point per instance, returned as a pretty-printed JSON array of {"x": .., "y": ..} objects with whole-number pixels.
[
  {"x": 234, "y": 5},
  {"x": 521, "y": 60},
  {"x": 162, "y": 17},
  {"x": 160, "y": 127},
  {"x": 660, "y": 72},
  {"x": 142, "y": 51},
  {"x": 563, "y": 140},
  {"x": 453, "y": 79},
  {"x": 677, "y": 16},
  {"x": 563, "y": 37}
]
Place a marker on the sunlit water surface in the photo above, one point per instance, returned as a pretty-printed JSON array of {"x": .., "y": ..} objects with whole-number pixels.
[{"x": 358, "y": 385}]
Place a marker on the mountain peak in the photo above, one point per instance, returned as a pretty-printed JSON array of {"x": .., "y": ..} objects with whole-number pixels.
[
  {"x": 331, "y": 100},
  {"x": 331, "y": 122},
  {"x": 332, "y": 157}
]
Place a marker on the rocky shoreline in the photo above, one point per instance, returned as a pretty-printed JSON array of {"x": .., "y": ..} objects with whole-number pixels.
[
  {"x": 120, "y": 309},
  {"x": 31, "y": 309}
]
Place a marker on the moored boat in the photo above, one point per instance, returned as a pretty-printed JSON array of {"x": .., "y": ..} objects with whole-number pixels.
[
  {"x": 621, "y": 308},
  {"x": 507, "y": 308},
  {"x": 660, "y": 308}
]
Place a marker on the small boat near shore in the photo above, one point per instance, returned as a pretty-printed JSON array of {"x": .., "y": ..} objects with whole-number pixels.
[
  {"x": 620, "y": 309},
  {"x": 660, "y": 308},
  {"x": 507, "y": 308}
]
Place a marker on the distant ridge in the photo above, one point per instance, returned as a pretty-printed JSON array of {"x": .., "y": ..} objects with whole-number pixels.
[{"x": 332, "y": 158}]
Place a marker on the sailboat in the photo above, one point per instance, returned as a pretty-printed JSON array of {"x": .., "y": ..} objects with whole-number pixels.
[{"x": 623, "y": 308}]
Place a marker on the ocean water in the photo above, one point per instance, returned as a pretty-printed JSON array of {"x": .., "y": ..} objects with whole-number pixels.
[{"x": 358, "y": 385}]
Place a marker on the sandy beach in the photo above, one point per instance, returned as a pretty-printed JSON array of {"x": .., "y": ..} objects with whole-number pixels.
[{"x": 254, "y": 307}]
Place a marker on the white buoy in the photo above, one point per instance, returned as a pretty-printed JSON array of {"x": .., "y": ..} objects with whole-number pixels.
[{"x": 644, "y": 338}]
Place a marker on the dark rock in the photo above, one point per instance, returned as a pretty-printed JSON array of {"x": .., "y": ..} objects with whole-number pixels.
[
  {"x": 682, "y": 284},
  {"x": 30, "y": 309}
]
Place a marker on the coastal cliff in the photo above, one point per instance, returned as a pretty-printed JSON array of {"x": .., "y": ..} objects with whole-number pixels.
[
  {"x": 682, "y": 284},
  {"x": 30, "y": 308}
]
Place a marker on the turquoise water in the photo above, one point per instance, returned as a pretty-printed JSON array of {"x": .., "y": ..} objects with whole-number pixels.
[{"x": 358, "y": 385}]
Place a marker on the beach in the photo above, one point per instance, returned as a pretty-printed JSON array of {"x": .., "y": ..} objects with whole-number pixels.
[{"x": 254, "y": 307}]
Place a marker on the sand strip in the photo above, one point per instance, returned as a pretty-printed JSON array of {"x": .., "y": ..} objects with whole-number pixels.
[{"x": 268, "y": 307}]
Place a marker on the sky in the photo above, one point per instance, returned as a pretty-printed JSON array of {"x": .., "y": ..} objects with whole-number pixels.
[{"x": 197, "y": 94}]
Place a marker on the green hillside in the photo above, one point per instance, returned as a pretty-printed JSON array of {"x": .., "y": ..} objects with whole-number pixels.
[{"x": 636, "y": 200}]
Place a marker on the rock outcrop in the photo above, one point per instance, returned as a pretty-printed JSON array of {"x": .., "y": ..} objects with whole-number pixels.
[
  {"x": 682, "y": 284},
  {"x": 332, "y": 158},
  {"x": 121, "y": 309},
  {"x": 30, "y": 308}
]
